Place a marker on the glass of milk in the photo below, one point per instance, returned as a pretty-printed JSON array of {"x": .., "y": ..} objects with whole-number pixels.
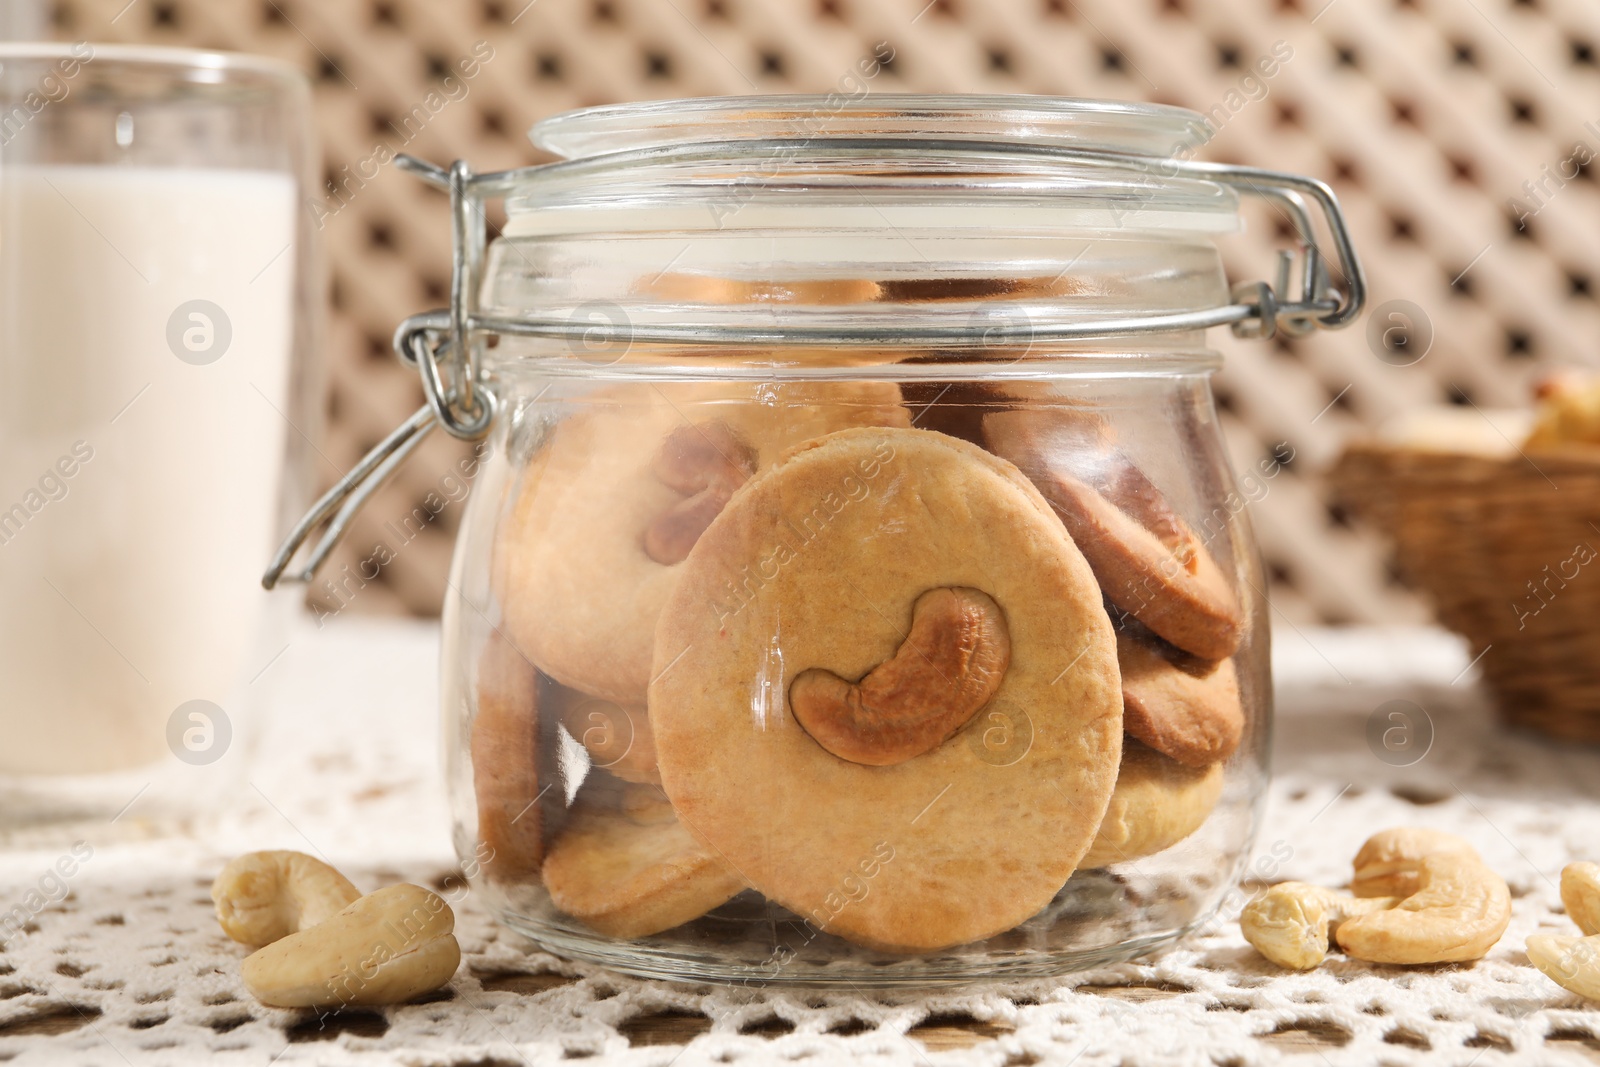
[{"x": 158, "y": 293}]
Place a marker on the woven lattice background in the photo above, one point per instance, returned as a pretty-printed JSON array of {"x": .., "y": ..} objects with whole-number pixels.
[{"x": 1426, "y": 115}]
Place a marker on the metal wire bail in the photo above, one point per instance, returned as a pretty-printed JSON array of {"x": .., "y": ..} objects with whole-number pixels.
[{"x": 441, "y": 346}]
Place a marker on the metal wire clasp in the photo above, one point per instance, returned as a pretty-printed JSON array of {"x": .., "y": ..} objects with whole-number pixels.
[
  {"x": 1315, "y": 302},
  {"x": 440, "y": 345}
]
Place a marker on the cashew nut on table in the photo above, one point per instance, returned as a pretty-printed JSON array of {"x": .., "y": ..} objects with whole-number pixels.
[
  {"x": 321, "y": 944},
  {"x": 1290, "y": 923},
  {"x": 1573, "y": 963},
  {"x": 1580, "y": 892},
  {"x": 262, "y": 896},
  {"x": 1418, "y": 896}
]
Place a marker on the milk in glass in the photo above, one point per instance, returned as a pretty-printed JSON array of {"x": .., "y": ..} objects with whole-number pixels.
[{"x": 145, "y": 337}]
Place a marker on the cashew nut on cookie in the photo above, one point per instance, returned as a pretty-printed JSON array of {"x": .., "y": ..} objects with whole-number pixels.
[
  {"x": 263, "y": 896},
  {"x": 706, "y": 462},
  {"x": 949, "y": 666}
]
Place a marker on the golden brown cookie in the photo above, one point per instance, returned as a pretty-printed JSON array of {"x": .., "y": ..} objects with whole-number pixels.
[
  {"x": 505, "y": 777},
  {"x": 1149, "y": 562},
  {"x": 1157, "y": 803},
  {"x": 832, "y": 563},
  {"x": 618, "y": 739},
  {"x": 1182, "y": 707},
  {"x": 610, "y": 504},
  {"x": 626, "y": 867}
]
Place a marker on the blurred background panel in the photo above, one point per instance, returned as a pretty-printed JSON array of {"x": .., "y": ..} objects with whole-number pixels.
[{"x": 1457, "y": 133}]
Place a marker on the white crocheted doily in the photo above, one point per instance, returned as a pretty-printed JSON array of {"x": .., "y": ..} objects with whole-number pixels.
[{"x": 131, "y": 968}]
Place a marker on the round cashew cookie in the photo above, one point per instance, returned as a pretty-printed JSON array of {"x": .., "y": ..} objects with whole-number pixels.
[
  {"x": 1150, "y": 563},
  {"x": 892, "y": 578},
  {"x": 1180, "y": 706},
  {"x": 1157, "y": 803},
  {"x": 610, "y": 505},
  {"x": 504, "y": 746},
  {"x": 626, "y": 867}
]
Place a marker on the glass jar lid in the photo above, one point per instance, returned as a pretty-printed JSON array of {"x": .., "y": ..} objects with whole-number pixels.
[
  {"x": 890, "y": 163},
  {"x": 1095, "y": 125}
]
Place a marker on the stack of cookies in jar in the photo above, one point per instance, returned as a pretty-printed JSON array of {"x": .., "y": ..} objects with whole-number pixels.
[{"x": 899, "y": 668}]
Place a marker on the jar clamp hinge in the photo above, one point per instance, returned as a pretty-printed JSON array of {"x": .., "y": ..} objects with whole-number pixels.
[
  {"x": 442, "y": 348},
  {"x": 445, "y": 346}
]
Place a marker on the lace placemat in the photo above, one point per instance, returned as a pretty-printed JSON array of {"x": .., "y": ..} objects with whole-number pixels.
[{"x": 131, "y": 968}]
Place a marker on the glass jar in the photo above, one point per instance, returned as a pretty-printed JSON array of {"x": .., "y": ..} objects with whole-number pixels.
[{"x": 855, "y": 588}]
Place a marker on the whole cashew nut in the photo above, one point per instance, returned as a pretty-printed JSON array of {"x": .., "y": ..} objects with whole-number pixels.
[
  {"x": 948, "y": 667},
  {"x": 263, "y": 896},
  {"x": 1573, "y": 963},
  {"x": 1580, "y": 892},
  {"x": 1290, "y": 923},
  {"x": 385, "y": 948},
  {"x": 1458, "y": 912},
  {"x": 1386, "y": 866}
]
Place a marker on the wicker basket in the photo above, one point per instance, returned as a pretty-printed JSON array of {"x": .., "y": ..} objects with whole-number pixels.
[{"x": 1509, "y": 552}]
